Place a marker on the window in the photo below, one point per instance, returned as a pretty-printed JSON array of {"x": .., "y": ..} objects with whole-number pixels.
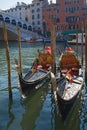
[
  {"x": 25, "y": 8},
  {"x": 57, "y": 10},
  {"x": 76, "y": 1},
  {"x": 38, "y": 22},
  {"x": 1, "y": 17},
  {"x": 7, "y": 20},
  {"x": 20, "y": 15},
  {"x": 19, "y": 8},
  {"x": 38, "y": 10},
  {"x": 30, "y": 28},
  {"x": 24, "y": 26},
  {"x": 57, "y": 20},
  {"x": 32, "y": 16},
  {"x": 67, "y": 10},
  {"x": 33, "y": 23},
  {"x": 38, "y": 16},
  {"x": 78, "y": 19},
  {"x": 38, "y": 3},
  {"x": 26, "y": 18},
  {"x": 32, "y": 5},
  {"x": 13, "y": 22},
  {"x": 32, "y": 11},
  {"x": 78, "y": 8},
  {"x": 20, "y": 24},
  {"x": 11, "y": 10},
  {"x": 62, "y": 27},
  {"x": 58, "y": 27},
  {"x": 67, "y": 3}
]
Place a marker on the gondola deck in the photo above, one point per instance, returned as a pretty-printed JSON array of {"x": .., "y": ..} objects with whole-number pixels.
[
  {"x": 35, "y": 76},
  {"x": 67, "y": 90},
  {"x": 70, "y": 81}
]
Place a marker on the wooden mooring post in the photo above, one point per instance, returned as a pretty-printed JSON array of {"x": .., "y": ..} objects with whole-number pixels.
[
  {"x": 82, "y": 43},
  {"x": 19, "y": 47},
  {"x": 86, "y": 52},
  {"x": 53, "y": 45},
  {"x": 19, "y": 67},
  {"x": 8, "y": 59},
  {"x": 53, "y": 49},
  {"x": 77, "y": 42}
]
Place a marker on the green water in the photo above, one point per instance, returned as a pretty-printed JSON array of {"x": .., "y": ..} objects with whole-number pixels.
[{"x": 38, "y": 111}]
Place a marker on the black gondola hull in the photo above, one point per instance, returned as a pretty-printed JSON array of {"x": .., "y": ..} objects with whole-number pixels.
[{"x": 28, "y": 86}]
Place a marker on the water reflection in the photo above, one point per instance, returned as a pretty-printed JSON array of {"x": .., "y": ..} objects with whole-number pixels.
[
  {"x": 69, "y": 120},
  {"x": 64, "y": 110},
  {"x": 83, "y": 111},
  {"x": 33, "y": 106},
  {"x": 11, "y": 115}
]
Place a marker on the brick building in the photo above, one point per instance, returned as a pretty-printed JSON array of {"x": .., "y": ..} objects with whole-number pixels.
[{"x": 66, "y": 14}]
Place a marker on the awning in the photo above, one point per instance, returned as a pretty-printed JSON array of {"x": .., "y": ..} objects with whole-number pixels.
[{"x": 71, "y": 31}]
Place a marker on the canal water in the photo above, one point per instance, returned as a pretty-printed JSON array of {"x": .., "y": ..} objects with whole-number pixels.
[{"x": 38, "y": 111}]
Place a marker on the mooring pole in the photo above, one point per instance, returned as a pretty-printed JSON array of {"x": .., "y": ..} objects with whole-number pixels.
[
  {"x": 53, "y": 49},
  {"x": 19, "y": 47},
  {"x": 53, "y": 46},
  {"x": 86, "y": 52},
  {"x": 8, "y": 60},
  {"x": 82, "y": 42},
  {"x": 77, "y": 42}
]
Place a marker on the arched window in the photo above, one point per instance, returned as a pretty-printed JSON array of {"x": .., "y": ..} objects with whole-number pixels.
[
  {"x": 13, "y": 22},
  {"x": 7, "y": 20},
  {"x": 20, "y": 24},
  {"x": 30, "y": 28},
  {"x": 1, "y": 18},
  {"x": 24, "y": 26}
]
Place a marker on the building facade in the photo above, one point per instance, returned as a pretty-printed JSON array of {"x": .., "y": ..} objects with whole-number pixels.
[
  {"x": 36, "y": 14},
  {"x": 21, "y": 11},
  {"x": 66, "y": 14},
  {"x": 49, "y": 13},
  {"x": 31, "y": 13}
]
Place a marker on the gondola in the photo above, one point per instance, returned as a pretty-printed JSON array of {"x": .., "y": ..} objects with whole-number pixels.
[
  {"x": 32, "y": 80},
  {"x": 69, "y": 81},
  {"x": 37, "y": 75}
]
